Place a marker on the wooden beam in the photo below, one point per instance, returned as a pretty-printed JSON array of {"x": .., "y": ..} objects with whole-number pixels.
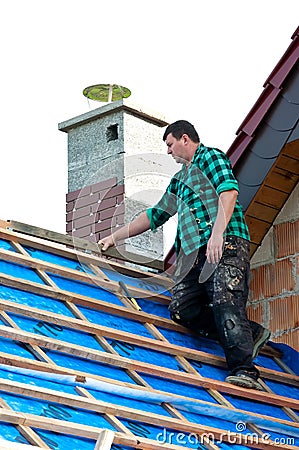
[
  {"x": 129, "y": 413},
  {"x": 90, "y": 432},
  {"x": 133, "y": 314},
  {"x": 105, "y": 440},
  {"x": 151, "y": 369},
  {"x": 84, "y": 244},
  {"x": 77, "y": 255},
  {"x": 112, "y": 286},
  {"x": 157, "y": 344},
  {"x": 59, "y": 294}
]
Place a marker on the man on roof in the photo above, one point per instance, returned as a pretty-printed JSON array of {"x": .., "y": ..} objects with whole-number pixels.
[{"x": 212, "y": 248}]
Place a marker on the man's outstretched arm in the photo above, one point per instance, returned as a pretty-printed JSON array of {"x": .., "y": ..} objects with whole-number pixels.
[{"x": 138, "y": 226}]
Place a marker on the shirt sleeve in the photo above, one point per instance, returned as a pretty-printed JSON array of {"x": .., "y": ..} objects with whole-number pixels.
[
  {"x": 217, "y": 167},
  {"x": 164, "y": 209}
]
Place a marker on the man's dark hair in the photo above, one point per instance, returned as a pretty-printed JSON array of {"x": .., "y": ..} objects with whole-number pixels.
[{"x": 180, "y": 127}]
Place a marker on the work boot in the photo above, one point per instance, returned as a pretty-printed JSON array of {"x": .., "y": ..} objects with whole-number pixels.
[
  {"x": 260, "y": 338},
  {"x": 246, "y": 379}
]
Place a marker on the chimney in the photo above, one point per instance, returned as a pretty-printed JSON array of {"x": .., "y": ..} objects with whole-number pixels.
[{"x": 117, "y": 167}]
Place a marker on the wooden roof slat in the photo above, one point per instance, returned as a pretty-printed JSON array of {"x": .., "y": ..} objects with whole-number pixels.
[
  {"x": 112, "y": 286},
  {"x": 29, "y": 434},
  {"x": 261, "y": 211},
  {"x": 76, "y": 254},
  {"x": 282, "y": 180},
  {"x": 84, "y": 244},
  {"x": 151, "y": 369},
  {"x": 123, "y": 411},
  {"x": 271, "y": 197},
  {"x": 99, "y": 331},
  {"x": 257, "y": 228}
]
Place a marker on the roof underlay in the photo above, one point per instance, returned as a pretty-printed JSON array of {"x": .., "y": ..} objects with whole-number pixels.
[
  {"x": 81, "y": 361},
  {"x": 265, "y": 153}
]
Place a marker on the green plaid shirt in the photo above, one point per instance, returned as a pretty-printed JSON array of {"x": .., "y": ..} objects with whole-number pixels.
[{"x": 193, "y": 193}]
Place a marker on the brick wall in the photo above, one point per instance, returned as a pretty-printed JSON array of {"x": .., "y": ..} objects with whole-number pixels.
[
  {"x": 94, "y": 211},
  {"x": 274, "y": 288}
]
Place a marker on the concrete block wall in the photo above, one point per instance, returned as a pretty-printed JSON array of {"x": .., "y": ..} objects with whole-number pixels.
[{"x": 274, "y": 286}]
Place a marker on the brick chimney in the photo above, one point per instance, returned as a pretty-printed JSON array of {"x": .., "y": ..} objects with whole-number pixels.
[{"x": 114, "y": 172}]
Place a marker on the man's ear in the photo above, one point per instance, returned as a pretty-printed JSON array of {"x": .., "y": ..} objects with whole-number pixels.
[{"x": 185, "y": 138}]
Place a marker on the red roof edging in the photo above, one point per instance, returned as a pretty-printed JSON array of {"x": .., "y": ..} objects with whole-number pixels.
[{"x": 272, "y": 88}]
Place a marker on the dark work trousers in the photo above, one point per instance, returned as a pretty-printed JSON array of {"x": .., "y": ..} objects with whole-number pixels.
[{"x": 216, "y": 307}]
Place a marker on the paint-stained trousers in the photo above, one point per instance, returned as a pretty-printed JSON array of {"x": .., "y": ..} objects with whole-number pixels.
[{"x": 216, "y": 308}]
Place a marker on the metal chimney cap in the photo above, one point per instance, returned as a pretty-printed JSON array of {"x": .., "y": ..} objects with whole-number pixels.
[{"x": 106, "y": 92}]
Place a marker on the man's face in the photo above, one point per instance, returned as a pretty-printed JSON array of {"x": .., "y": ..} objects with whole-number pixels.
[{"x": 176, "y": 148}]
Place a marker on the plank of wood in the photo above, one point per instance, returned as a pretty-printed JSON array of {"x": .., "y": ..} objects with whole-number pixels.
[
  {"x": 47, "y": 291},
  {"x": 128, "y": 413},
  {"x": 110, "y": 285},
  {"x": 160, "y": 345},
  {"x": 151, "y": 369},
  {"x": 80, "y": 256},
  {"x": 110, "y": 308},
  {"x": 105, "y": 440},
  {"x": 90, "y": 432},
  {"x": 84, "y": 244}
]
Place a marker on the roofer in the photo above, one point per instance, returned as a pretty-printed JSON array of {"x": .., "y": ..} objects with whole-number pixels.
[{"x": 212, "y": 247}]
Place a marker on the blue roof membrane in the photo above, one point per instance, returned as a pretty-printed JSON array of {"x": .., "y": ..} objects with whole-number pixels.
[
  {"x": 17, "y": 271},
  {"x": 88, "y": 366},
  {"x": 152, "y": 307},
  {"x": 256, "y": 407},
  {"x": 85, "y": 289},
  {"x": 138, "y": 353},
  {"x": 10, "y": 433},
  {"x": 55, "y": 410},
  {"x": 115, "y": 322},
  {"x": 209, "y": 371},
  {"x": 34, "y": 300},
  {"x": 192, "y": 341},
  {"x": 174, "y": 387},
  {"x": 9, "y": 374},
  {"x": 283, "y": 389},
  {"x": 15, "y": 348},
  {"x": 145, "y": 283},
  {"x": 6, "y": 245},
  {"x": 59, "y": 260},
  {"x": 56, "y": 332},
  {"x": 57, "y": 441},
  {"x": 289, "y": 356},
  {"x": 267, "y": 362}
]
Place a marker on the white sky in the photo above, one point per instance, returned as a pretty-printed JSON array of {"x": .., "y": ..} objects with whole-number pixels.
[{"x": 203, "y": 61}]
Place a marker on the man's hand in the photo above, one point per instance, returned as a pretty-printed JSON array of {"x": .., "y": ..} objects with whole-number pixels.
[
  {"x": 107, "y": 242},
  {"x": 139, "y": 225},
  {"x": 226, "y": 205},
  {"x": 214, "y": 248}
]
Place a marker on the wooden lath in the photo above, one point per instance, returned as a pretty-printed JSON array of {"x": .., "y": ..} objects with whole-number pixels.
[
  {"x": 105, "y": 440},
  {"x": 124, "y": 412},
  {"x": 80, "y": 323},
  {"x": 152, "y": 369},
  {"x": 273, "y": 194},
  {"x": 83, "y": 244},
  {"x": 74, "y": 253}
]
